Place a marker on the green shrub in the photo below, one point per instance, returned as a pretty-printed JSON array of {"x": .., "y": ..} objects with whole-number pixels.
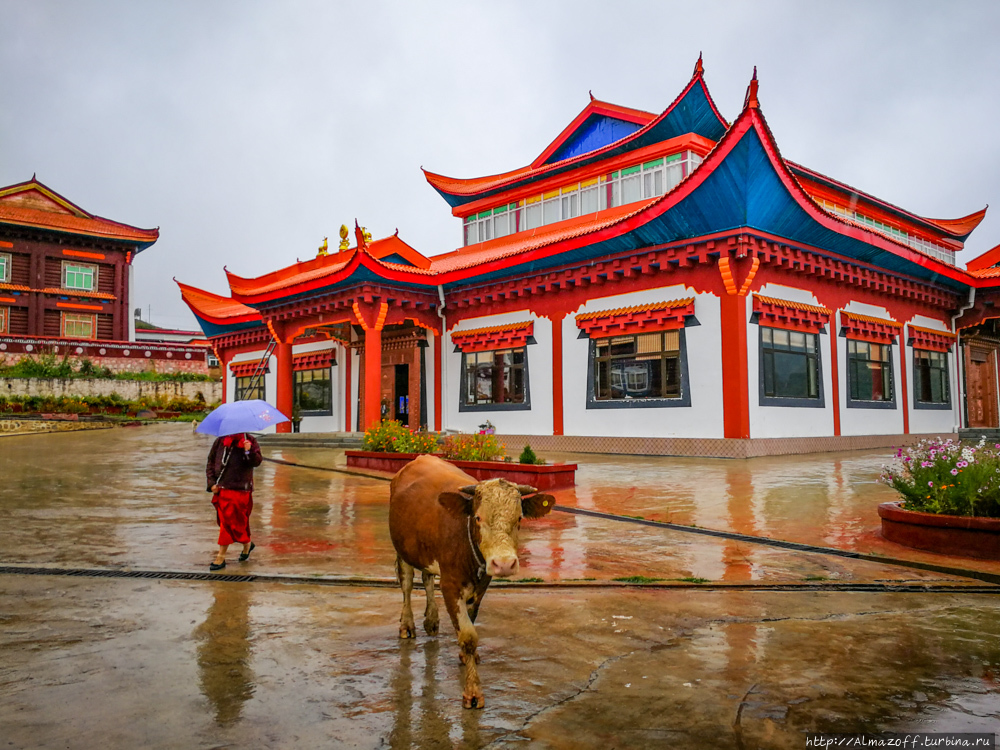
[
  {"x": 391, "y": 436},
  {"x": 473, "y": 448},
  {"x": 528, "y": 457},
  {"x": 947, "y": 478}
]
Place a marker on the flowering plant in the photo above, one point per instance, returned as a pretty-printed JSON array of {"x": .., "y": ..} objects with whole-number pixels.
[
  {"x": 473, "y": 448},
  {"x": 391, "y": 436},
  {"x": 947, "y": 478}
]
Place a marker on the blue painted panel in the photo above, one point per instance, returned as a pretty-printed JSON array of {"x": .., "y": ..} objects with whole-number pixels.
[
  {"x": 213, "y": 329},
  {"x": 396, "y": 258},
  {"x": 743, "y": 191},
  {"x": 597, "y": 131}
]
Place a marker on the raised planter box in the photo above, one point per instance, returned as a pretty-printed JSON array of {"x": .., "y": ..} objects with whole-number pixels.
[
  {"x": 962, "y": 536},
  {"x": 539, "y": 476}
]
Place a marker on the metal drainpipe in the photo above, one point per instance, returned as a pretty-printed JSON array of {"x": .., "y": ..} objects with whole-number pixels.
[
  {"x": 442, "y": 359},
  {"x": 960, "y": 401}
]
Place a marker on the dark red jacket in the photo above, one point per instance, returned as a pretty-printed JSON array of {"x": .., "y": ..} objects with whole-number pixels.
[{"x": 239, "y": 464}]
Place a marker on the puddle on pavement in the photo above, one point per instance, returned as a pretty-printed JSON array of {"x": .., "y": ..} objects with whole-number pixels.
[{"x": 136, "y": 498}]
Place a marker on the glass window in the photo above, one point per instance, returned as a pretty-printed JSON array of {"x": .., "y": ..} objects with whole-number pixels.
[
  {"x": 631, "y": 188},
  {"x": 4, "y": 268},
  {"x": 494, "y": 377},
  {"x": 501, "y": 222},
  {"x": 533, "y": 215},
  {"x": 312, "y": 390},
  {"x": 646, "y": 365},
  {"x": 471, "y": 232},
  {"x": 789, "y": 363},
  {"x": 550, "y": 211},
  {"x": 588, "y": 201},
  {"x": 931, "y": 376},
  {"x": 869, "y": 370},
  {"x": 77, "y": 326},
  {"x": 245, "y": 393},
  {"x": 79, "y": 276}
]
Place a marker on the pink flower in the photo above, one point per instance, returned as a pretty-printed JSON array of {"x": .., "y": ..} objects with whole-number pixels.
[
  {"x": 962, "y": 464},
  {"x": 930, "y": 484},
  {"x": 954, "y": 472},
  {"x": 925, "y": 464}
]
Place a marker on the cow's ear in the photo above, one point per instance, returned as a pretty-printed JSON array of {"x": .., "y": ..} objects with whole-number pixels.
[
  {"x": 456, "y": 503},
  {"x": 536, "y": 506}
]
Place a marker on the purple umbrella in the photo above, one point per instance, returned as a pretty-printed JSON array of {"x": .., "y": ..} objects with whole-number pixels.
[{"x": 241, "y": 416}]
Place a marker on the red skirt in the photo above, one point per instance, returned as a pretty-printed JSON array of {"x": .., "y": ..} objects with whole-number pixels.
[{"x": 232, "y": 513}]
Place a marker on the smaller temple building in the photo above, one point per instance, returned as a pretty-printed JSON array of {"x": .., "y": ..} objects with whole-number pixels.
[
  {"x": 664, "y": 283},
  {"x": 66, "y": 285}
]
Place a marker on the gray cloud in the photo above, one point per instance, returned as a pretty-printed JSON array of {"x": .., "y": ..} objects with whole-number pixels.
[{"x": 248, "y": 131}]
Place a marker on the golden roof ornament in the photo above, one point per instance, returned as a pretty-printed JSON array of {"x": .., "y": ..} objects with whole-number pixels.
[
  {"x": 324, "y": 249},
  {"x": 344, "y": 244},
  {"x": 367, "y": 234}
]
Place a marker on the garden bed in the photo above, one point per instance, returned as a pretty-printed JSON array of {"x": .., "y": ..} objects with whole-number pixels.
[
  {"x": 539, "y": 476},
  {"x": 962, "y": 536}
]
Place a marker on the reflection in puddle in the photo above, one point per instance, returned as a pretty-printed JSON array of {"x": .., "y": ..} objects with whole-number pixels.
[{"x": 224, "y": 652}]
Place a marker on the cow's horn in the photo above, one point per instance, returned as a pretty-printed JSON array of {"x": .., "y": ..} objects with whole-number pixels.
[
  {"x": 526, "y": 489},
  {"x": 469, "y": 489}
]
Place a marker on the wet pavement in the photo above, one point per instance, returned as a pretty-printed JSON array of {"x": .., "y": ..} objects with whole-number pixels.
[{"x": 88, "y": 662}]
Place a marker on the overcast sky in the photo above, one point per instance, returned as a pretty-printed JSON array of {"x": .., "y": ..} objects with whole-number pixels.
[{"x": 248, "y": 131}]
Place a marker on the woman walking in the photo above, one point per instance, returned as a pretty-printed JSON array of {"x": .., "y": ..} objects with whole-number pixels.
[{"x": 229, "y": 475}]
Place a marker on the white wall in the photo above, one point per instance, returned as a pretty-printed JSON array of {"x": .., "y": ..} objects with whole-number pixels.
[
  {"x": 704, "y": 359},
  {"x": 537, "y": 420},
  {"x": 788, "y": 421}
]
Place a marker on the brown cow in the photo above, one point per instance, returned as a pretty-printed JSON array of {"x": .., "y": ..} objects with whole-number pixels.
[{"x": 443, "y": 523}]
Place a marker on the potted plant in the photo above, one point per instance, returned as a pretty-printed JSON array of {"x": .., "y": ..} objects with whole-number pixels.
[{"x": 950, "y": 498}]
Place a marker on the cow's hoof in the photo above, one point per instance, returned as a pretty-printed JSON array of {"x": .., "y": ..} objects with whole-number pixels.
[
  {"x": 462, "y": 658},
  {"x": 407, "y": 631},
  {"x": 476, "y": 700},
  {"x": 432, "y": 628}
]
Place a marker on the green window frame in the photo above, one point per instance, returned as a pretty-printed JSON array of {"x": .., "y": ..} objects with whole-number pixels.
[
  {"x": 79, "y": 326},
  {"x": 79, "y": 276},
  {"x": 5, "y": 262}
]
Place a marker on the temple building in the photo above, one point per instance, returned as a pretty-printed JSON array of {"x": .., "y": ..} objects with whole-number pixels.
[
  {"x": 65, "y": 285},
  {"x": 651, "y": 283}
]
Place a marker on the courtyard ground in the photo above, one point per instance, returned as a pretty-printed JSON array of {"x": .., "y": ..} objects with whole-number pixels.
[{"x": 714, "y": 657}]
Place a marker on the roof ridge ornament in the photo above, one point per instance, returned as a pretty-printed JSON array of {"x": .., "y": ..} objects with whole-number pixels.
[
  {"x": 324, "y": 249},
  {"x": 362, "y": 235},
  {"x": 344, "y": 244},
  {"x": 751, "y": 98},
  {"x": 699, "y": 68},
  {"x": 591, "y": 92}
]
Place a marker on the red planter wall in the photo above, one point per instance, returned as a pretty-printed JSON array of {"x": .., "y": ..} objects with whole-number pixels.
[{"x": 962, "y": 536}]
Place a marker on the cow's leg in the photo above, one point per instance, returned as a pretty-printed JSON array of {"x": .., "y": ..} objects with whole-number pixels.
[
  {"x": 404, "y": 573},
  {"x": 455, "y": 601},
  {"x": 432, "y": 622}
]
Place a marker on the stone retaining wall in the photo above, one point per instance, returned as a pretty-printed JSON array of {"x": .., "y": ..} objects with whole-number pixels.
[
  {"x": 129, "y": 390},
  {"x": 29, "y": 426}
]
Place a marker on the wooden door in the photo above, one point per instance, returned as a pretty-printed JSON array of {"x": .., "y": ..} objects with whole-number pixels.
[
  {"x": 981, "y": 387},
  {"x": 388, "y": 395}
]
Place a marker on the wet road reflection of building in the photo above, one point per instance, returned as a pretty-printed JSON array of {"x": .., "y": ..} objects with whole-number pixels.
[
  {"x": 420, "y": 722},
  {"x": 224, "y": 652}
]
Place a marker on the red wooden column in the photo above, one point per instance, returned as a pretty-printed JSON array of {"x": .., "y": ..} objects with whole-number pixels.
[
  {"x": 373, "y": 377},
  {"x": 348, "y": 385},
  {"x": 371, "y": 317},
  {"x": 733, "y": 309},
  {"x": 557, "y": 373},
  {"x": 735, "y": 387},
  {"x": 835, "y": 373},
  {"x": 438, "y": 364},
  {"x": 284, "y": 398}
]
